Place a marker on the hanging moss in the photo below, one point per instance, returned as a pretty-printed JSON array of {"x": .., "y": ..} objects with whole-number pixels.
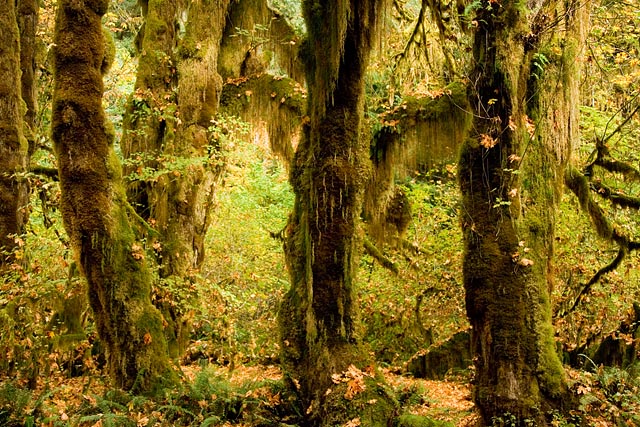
[
  {"x": 509, "y": 217},
  {"x": 329, "y": 171},
  {"x": 420, "y": 134},
  {"x": 265, "y": 101}
]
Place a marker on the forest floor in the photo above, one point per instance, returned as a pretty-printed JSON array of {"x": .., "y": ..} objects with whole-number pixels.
[
  {"x": 86, "y": 400},
  {"x": 447, "y": 400}
]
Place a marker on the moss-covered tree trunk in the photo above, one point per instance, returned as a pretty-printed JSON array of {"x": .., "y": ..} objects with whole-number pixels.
[
  {"x": 13, "y": 145},
  {"x": 94, "y": 205},
  {"x": 167, "y": 129},
  {"x": 319, "y": 314},
  {"x": 510, "y": 172},
  {"x": 176, "y": 96},
  {"x": 28, "y": 24}
]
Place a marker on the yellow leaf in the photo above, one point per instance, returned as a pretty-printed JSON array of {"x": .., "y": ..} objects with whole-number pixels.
[
  {"x": 353, "y": 423},
  {"x": 487, "y": 142}
]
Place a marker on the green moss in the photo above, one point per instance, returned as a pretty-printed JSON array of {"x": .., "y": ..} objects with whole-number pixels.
[
  {"x": 374, "y": 406},
  {"x": 427, "y": 108},
  {"x": 410, "y": 420},
  {"x": 109, "y": 51}
]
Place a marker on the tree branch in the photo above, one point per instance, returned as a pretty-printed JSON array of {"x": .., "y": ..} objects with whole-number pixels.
[
  {"x": 621, "y": 200},
  {"x": 45, "y": 171},
  {"x": 622, "y": 252},
  {"x": 372, "y": 250}
]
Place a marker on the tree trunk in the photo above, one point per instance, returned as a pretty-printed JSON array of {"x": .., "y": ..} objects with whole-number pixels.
[
  {"x": 94, "y": 206},
  {"x": 28, "y": 24},
  {"x": 524, "y": 127},
  {"x": 13, "y": 145},
  {"x": 177, "y": 94},
  {"x": 167, "y": 129},
  {"x": 319, "y": 316}
]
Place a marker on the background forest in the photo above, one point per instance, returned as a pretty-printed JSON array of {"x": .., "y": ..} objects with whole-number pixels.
[{"x": 219, "y": 293}]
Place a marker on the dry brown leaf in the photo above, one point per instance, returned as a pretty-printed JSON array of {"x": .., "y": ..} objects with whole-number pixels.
[{"x": 487, "y": 142}]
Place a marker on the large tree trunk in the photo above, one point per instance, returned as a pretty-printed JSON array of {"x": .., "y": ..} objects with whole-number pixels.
[
  {"x": 510, "y": 176},
  {"x": 13, "y": 145},
  {"x": 167, "y": 129},
  {"x": 176, "y": 96},
  {"x": 94, "y": 205},
  {"x": 331, "y": 166}
]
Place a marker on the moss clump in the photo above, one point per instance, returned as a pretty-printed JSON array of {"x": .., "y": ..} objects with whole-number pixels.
[
  {"x": 410, "y": 420},
  {"x": 366, "y": 399}
]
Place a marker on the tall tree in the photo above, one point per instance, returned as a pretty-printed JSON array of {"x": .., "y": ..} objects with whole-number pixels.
[
  {"x": 168, "y": 130},
  {"x": 13, "y": 145},
  {"x": 28, "y": 22},
  {"x": 331, "y": 166},
  {"x": 94, "y": 205},
  {"x": 176, "y": 95},
  {"x": 524, "y": 98}
]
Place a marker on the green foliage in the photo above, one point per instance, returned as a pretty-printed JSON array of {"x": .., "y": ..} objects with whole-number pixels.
[
  {"x": 510, "y": 420},
  {"x": 292, "y": 10},
  {"x": 429, "y": 282},
  {"x": 14, "y": 405},
  {"x": 256, "y": 37},
  {"x": 222, "y": 134},
  {"x": 611, "y": 392},
  {"x": 35, "y": 314},
  {"x": 538, "y": 64},
  {"x": 245, "y": 263}
]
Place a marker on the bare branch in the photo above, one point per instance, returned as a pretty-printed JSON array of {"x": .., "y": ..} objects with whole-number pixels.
[{"x": 622, "y": 252}]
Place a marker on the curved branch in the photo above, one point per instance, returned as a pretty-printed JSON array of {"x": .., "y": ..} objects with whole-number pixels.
[
  {"x": 580, "y": 186},
  {"x": 622, "y": 252},
  {"x": 621, "y": 200},
  {"x": 612, "y": 165},
  {"x": 624, "y": 122},
  {"x": 46, "y": 172},
  {"x": 414, "y": 34}
]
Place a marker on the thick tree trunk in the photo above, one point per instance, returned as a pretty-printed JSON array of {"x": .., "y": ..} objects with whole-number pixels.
[
  {"x": 13, "y": 145},
  {"x": 94, "y": 205},
  {"x": 319, "y": 316},
  {"x": 177, "y": 94},
  {"x": 510, "y": 176},
  {"x": 167, "y": 129}
]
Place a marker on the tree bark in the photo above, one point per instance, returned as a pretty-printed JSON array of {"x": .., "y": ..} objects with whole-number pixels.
[
  {"x": 177, "y": 94},
  {"x": 319, "y": 314},
  {"x": 510, "y": 173},
  {"x": 168, "y": 129},
  {"x": 13, "y": 145},
  {"x": 28, "y": 23},
  {"x": 94, "y": 206}
]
